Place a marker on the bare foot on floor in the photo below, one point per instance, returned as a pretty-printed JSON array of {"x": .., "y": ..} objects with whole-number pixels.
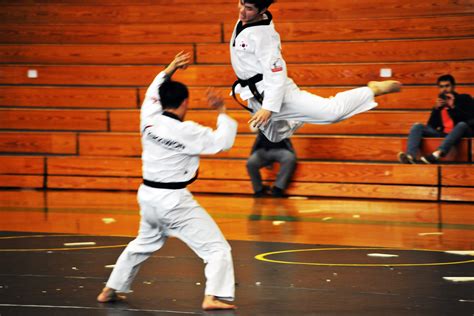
[
  {"x": 109, "y": 295},
  {"x": 212, "y": 303}
]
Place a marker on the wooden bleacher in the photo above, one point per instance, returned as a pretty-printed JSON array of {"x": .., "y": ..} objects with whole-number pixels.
[{"x": 75, "y": 127}]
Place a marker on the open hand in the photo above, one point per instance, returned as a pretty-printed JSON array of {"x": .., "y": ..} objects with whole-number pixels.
[
  {"x": 181, "y": 60},
  {"x": 215, "y": 100},
  {"x": 260, "y": 118}
]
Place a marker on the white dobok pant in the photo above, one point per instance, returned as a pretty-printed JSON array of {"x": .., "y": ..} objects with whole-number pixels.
[
  {"x": 301, "y": 107},
  {"x": 176, "y": 213}
]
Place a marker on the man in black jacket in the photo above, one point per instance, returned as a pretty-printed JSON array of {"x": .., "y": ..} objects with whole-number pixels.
[
  {"x": 452, "y": 118},
  {"x": 265, "y": 153}
]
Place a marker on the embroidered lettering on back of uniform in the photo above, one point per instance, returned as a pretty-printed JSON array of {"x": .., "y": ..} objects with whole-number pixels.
[{"x": 167, "y": 143}]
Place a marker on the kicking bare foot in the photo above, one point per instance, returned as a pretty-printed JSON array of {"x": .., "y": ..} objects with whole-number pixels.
[
  {"x": 212, "y": 303},
  {"x": 385, "y": 87},
  {"x": 109, "y": 295}
]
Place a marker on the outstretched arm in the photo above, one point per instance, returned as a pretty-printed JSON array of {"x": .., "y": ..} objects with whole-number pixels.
[{"x": 151, "y": 104}]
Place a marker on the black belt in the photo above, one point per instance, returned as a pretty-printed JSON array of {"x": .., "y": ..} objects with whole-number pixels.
[
  {"x": 170, "y": 185},
  {"x": 251, "y": 83}
]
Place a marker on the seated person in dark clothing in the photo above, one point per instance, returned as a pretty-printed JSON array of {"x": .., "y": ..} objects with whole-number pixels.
[
  {"x": 452, "y": 118},
  {"x": 265, "y": 153}
]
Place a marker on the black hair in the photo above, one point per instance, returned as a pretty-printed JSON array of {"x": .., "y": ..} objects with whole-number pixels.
[
  {"x": 172, "y": 94},
  {"x": 260, "y": 4},
  {"x": 447, "y": 78}
]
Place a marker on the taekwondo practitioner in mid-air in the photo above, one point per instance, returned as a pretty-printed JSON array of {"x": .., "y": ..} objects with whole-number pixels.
[
  {"x": 278, "y": 106},
  {"x": 170, "y": 157}
]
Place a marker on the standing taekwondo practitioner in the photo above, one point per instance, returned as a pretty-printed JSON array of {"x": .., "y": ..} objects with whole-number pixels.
[
  {"x": 279, "y": 107},
  {"x": 170, "y": 157}
]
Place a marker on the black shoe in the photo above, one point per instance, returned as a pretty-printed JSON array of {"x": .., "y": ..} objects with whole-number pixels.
[
  {"x": 259, "y": 194},
  {"x": 278, "y": 193},
  {"x": 406, "y": 158},
  {"x": 262, "y": 193},
  {"x": 431, "y": 159}
]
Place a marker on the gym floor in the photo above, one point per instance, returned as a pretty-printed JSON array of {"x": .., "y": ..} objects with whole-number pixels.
[{"x": 292, "y": 256}]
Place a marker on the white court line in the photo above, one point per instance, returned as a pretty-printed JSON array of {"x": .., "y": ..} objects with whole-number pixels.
[
  {"x": 459, "y": 279},
  {"x": 87, "y": 243},
  {"x": 462, "y": 252},
  {"x": 382, "y": 255},
  {"x": 98, "y": 308},
  {"x": 431, "y": 234}
]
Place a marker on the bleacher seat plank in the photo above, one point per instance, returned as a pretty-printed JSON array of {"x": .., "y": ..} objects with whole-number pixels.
[
  {"x": 294, "y": 52},
  {"x": 457, "y": 175},
  {"x": 371, "y": 123},
  {"x": 326, "y": 190},
  {"x": 192, "y": 12},
  {"x": 211, "y": 75},
  {"x": 57, "y": 120},
  {"x": 342, "y": 148},
  {"x": 457, "y": 194},
  {"x": 22, "y": 165},
  {"x": 91, "y": 54},
  {"x": 38, "y": 143},
  {"x": 352, "y": 52},
  {"x": 413, "y": 98},
  {"x": 244, "y": 187},
  {"x": 25, "y": 198},
  {"x": 327, "y": 172},
  {"x": 94, "y": 166},
  {"x": 92, "y": 200},
  {"x": 68, "y": 97},
  {"x": 110, "y": 33},
  {"x": 93, "y": 183},
  {"x": 367, "y": 29},
  {"x": 224, "y": 169},
  {"x": 22, "y": 181}
]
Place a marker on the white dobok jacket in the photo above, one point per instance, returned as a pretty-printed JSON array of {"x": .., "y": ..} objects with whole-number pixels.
[
  {"x": 256, "y": 49},
  {"x": 171, "y": 148}
]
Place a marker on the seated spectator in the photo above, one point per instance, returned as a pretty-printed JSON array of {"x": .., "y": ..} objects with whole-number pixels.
[
  {"x": 451, "y": 118},
  {"x": 264, "y": 154}
]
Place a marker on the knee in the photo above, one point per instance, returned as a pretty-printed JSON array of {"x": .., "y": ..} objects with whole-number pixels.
[
  {"x": 333, "y": 117},
  {"x": 252, "y": 162},
  {"x": 462, "y": 125},
  {"x": 288, "y": 158},
  {"x": 222, "y": 253},
  {"x": 417, "y": 126}
]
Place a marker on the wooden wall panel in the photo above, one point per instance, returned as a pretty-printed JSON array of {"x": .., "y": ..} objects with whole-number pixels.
[
  {"x": 22, "y": 165},
  {"x": 22, "y": 181},
  {"x": 53, "y": 120},
  {"x": 326, "y": 190},
  {"x": 244, "y": 187},
  {"x": 371, "y": 123},
  {"x": 418, "y": 97},
  {"x": 94, "y": 166},
  {"x": 110, "y": 33},
  {"x": 91, "y": 54},
  {"x": 457, "y": 194},
  {"x": 192, "y": 12},
  {"x": 39, "y": 143},
  {"x": 224, "y": 169},
  {"x": 310, "y": 74},
  {"x": 365, "y": 29},
  {"x": 352, "y": 52},
  {"x": 68, "y": 97},
  {"x": 342, "y": 148},
  {"x": 457, "y": 175}
]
